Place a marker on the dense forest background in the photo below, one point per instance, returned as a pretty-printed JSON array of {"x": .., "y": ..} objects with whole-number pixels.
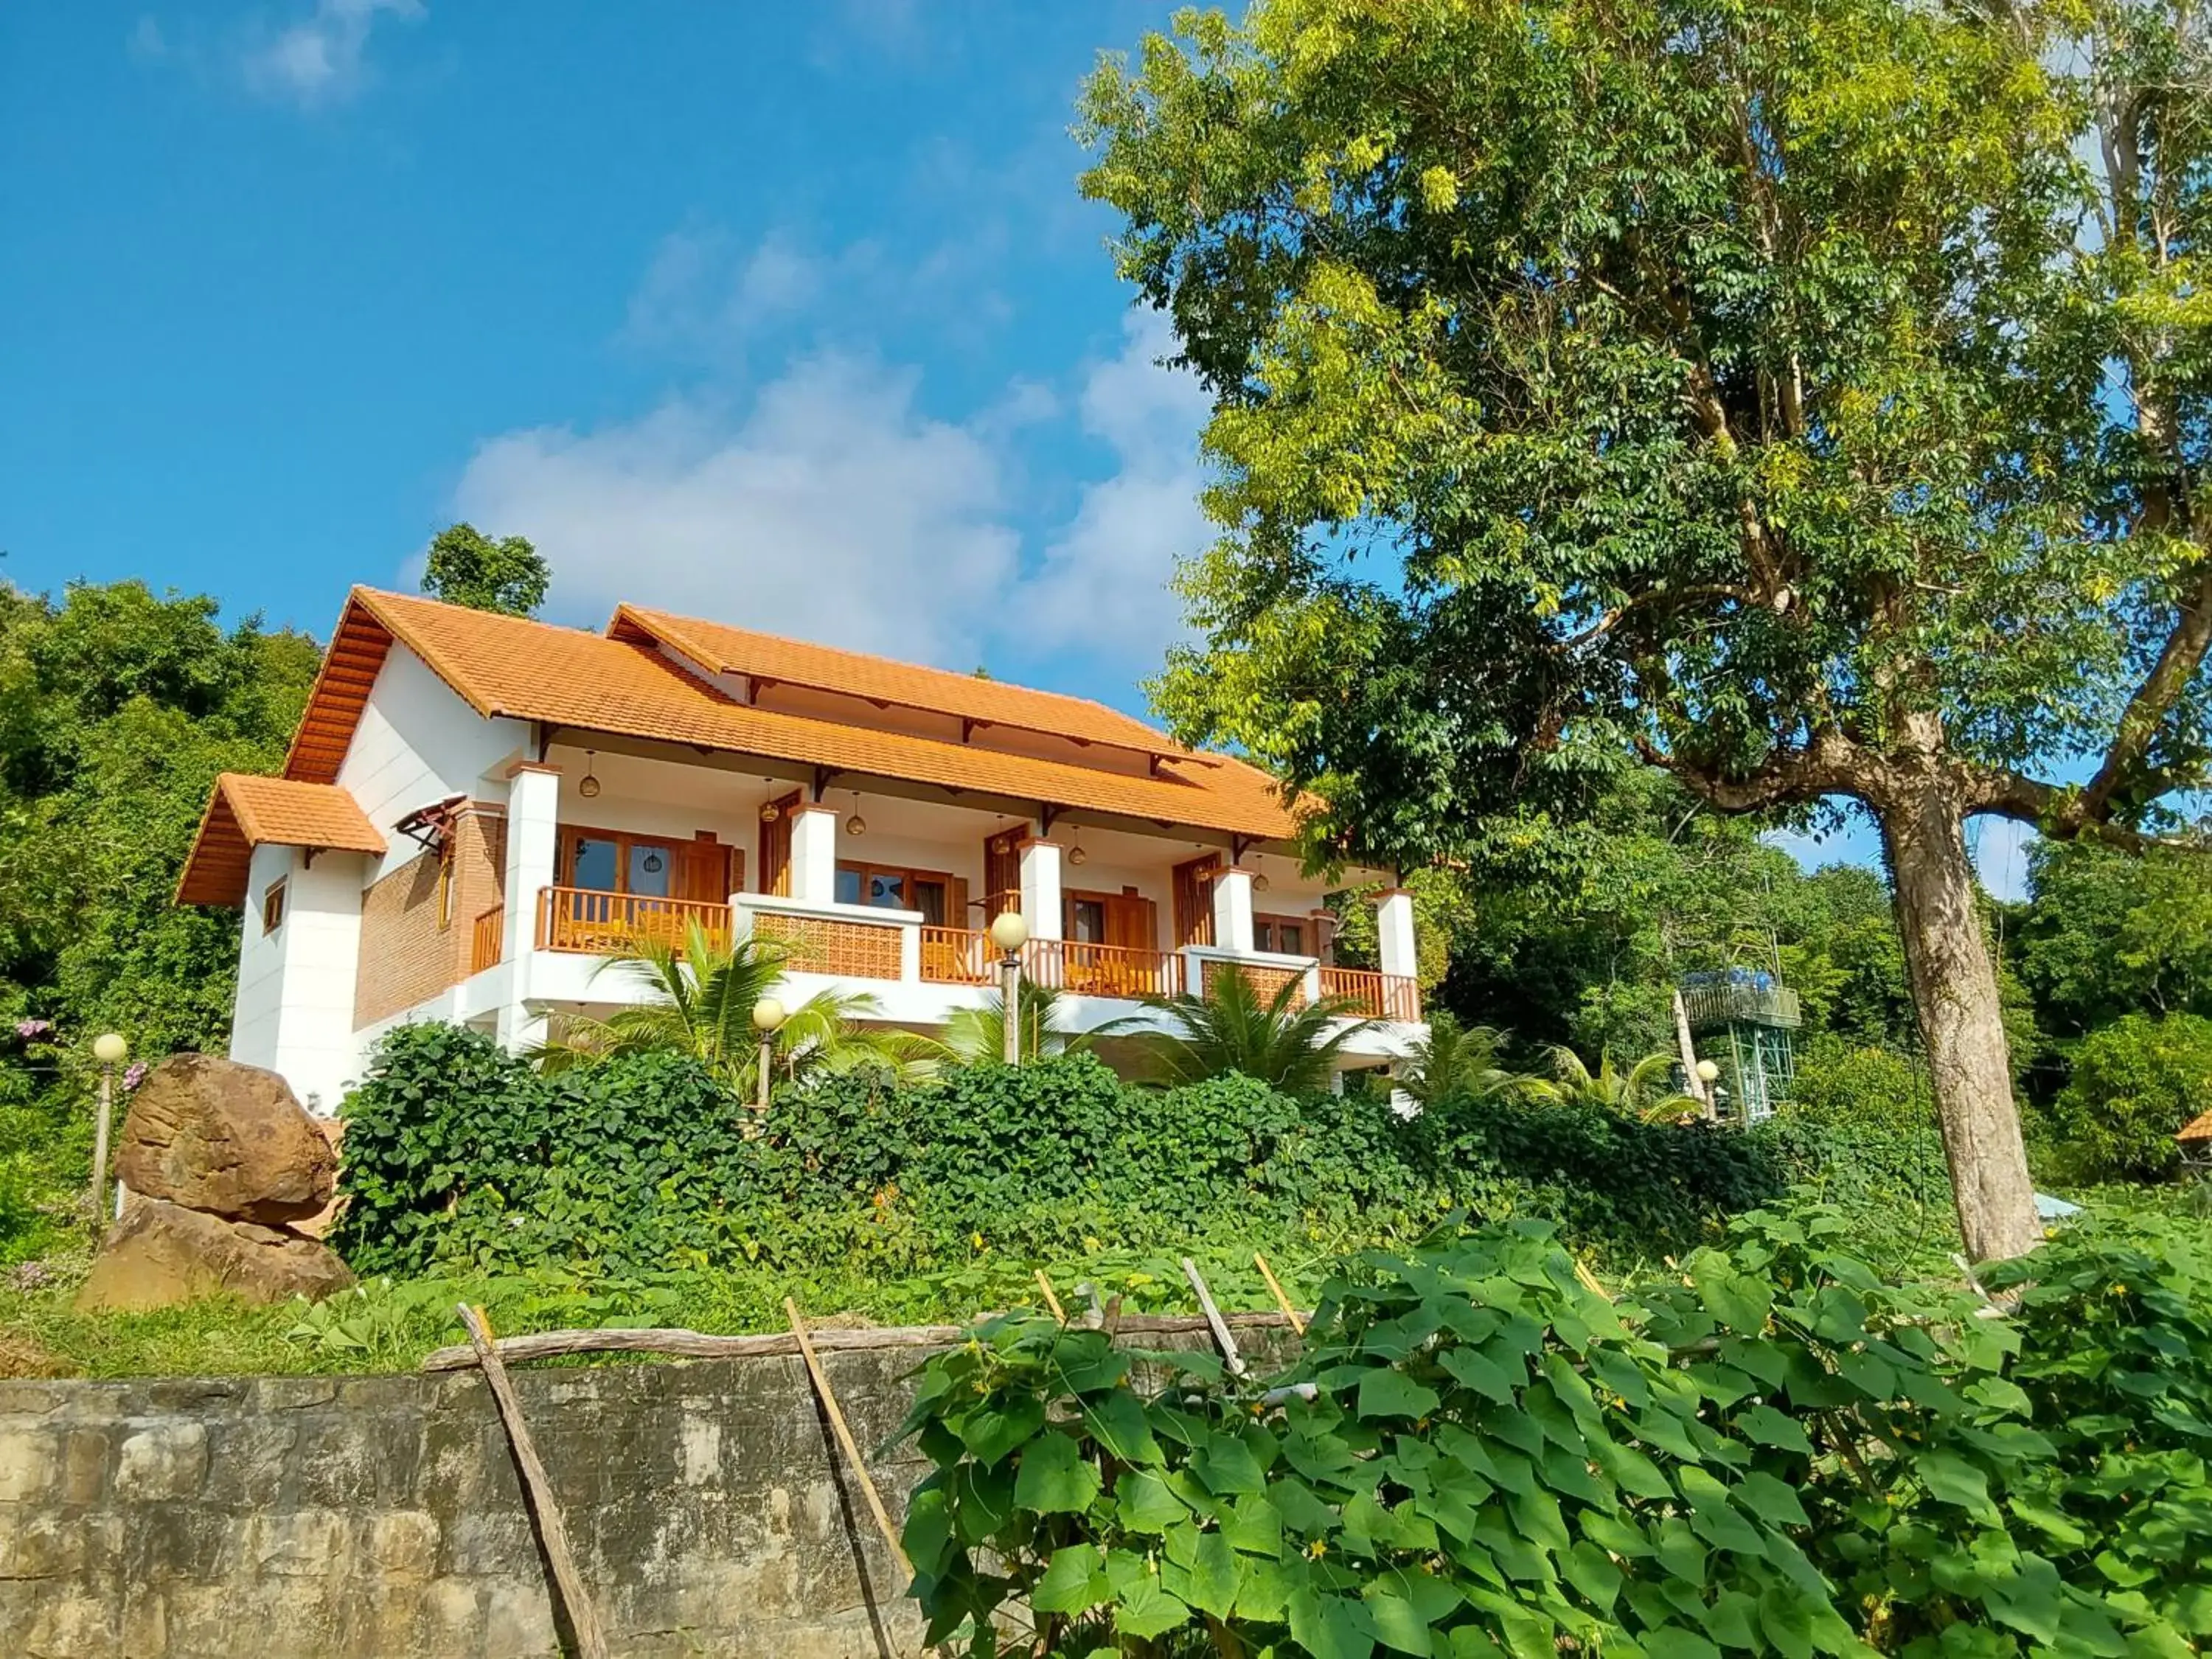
[{"x": 118, "y": 706}]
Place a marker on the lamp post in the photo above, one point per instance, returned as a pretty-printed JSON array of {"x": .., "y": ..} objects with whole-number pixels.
[
  {"x": 768, "y": 1019},
  {"x": 1010, "y": 932},
  {"x": 1709, "y": 1073},
  {"x": 111, "y": 1051}
]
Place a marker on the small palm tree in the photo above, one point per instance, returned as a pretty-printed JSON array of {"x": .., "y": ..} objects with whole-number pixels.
[
  {"x": 1644, "y": 1091},
  {"x": 1453, "y": 1059},
  {"x": 702, "y": 997},
  {"x": 1282, "y": 1042},
  {"x": 977, "y": 1036}
]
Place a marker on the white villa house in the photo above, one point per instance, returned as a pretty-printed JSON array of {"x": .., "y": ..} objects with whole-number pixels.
[{"x": 479, "y": 809}]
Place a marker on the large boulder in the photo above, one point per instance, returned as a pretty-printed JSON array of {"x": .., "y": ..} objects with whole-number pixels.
[
  {"x": 211, "y": 1135},
  {"x": 162, "y": 1254}
]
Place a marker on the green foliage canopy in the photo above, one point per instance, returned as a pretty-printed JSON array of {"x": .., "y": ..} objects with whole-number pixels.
[
  {"x": 2135, "y": 1083},
  {"x": 118, "y": 708},
  {"x": 467, "y": 567}
]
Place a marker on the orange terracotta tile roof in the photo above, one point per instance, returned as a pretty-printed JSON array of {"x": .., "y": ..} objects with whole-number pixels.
[
  {"x": 722, "y": 649},
  {"x": 2197, "y": 1128},
  {"x": 246, "y": 812},
  {"x": 582, "y": 683}
]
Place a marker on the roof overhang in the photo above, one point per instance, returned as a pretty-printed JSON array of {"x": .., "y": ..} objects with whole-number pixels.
[{"x": 245, "y": 812}]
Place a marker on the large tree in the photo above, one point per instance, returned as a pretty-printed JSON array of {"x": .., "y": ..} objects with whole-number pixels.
[
  {"x": 1807, "y": 396},
  {"x": 466, "y": 567}
]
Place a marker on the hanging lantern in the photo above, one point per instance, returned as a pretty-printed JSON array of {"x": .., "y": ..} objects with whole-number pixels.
[
  {"x": 654, "y": 863},
  {"x": 856, "y": 825},
  {"x": 769, "y": 811},
  {"x": 1077, "y": 855},
  {"x": 1259, "y": 876},
  {"x": 588, "y": 787}
]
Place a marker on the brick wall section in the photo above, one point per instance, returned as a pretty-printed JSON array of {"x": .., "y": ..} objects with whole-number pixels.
[{"x": 406, "y": 956}]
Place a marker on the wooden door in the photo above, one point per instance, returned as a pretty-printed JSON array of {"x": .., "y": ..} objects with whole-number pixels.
[
  {"x": 1193, "y": 900},
  {"x": 775, "y": 847},
  {"x": 702, "y": 873},
  {"x": 1132, "y": 922}
]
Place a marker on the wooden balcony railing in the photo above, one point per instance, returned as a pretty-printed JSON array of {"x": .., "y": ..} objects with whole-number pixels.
[
  {"x": 485, "y": 944},
  {"x": 1374, "y": 996},
  {"x": 1266, "y": 980},
  {"x": 1100, "y": 970},
  {"x": 601, "y": 924},
  {"x": 958, "y": 955},
  {"x": 828, "y": 945}
]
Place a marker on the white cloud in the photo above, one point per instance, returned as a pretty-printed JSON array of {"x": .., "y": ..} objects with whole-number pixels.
[
  {"x": 832, "y": 510},
  {"x": 1103, "y": 586},
  {"x": 322, "y": 59},
  {"x": 828, "y": 504},
  {"x": 146, "y": 42}
]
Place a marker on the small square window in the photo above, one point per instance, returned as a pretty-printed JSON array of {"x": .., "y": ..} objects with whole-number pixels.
[{"x": 272, "y": 906}]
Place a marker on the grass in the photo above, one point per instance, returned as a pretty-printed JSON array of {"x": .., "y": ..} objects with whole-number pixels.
[{"x": 389, "y": 1326}]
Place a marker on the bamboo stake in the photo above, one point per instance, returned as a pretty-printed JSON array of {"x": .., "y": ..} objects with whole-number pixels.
[
  {"x": 1281, "y": 1300},
  {"x": 583, "y": 1619},
  {"x": 845, "y": 1439},
  {"x": 1213, "y": 1319},
  {"x": 1590, "y": 1280},
  {"x": 1050, "y": 1300},
  {"x": 695, "y": 1344}
]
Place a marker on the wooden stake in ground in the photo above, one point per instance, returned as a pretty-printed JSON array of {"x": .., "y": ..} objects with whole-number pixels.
[
  {"x": 1213, "y": 1319},
  {"x": 845, "y": 1438},
  {"x": 1297, "y": 1323},
  {"x": 591, "y": 1640},
  {"x": 1050, "y": 1300}
]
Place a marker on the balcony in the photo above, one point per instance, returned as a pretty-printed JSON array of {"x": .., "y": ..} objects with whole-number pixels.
[
  {"x": 899, "y": 948},
  {"x": 577, "y": 919},
  {"x": 1754, "y": 999}
]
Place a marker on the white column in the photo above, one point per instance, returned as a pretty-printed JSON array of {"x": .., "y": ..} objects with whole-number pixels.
[
  {"x": 1394, "y": 933},
  {"x": 814, "y": 853},
  {"x": 1041, "y": 902},
  {"x": 1232, "y": 909},
  {"x": 533, "y": 820}
]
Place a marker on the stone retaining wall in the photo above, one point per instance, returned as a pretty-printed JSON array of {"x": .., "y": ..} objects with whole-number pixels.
[{"x": 366, "y": 1517}]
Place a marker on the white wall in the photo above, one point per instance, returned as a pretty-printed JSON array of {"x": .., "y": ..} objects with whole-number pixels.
[
  {"x": 295, "y": 985},
  {"x": 417, "y": 743},
  {"x": 260, "y": 964}
]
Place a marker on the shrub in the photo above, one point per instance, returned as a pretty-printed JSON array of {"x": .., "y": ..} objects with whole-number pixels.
[
  {"x": 2135, "y": 1083},
  {"x": 1772, "y": 1450},
  {"x": 457, "y": 1154},
  {"x": 1476, "y": 1454}
]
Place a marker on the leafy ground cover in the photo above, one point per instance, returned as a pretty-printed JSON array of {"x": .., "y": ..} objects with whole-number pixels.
[{"x": 1774, "y": 1449}]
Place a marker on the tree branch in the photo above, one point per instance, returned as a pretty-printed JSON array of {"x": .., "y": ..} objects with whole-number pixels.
[
  {"x": 1830, "y": 764},
  {"x": 2179, "y": 659}
]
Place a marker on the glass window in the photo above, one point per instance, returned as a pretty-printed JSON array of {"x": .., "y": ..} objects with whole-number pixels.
[
  {"x": 848, "y": 885},
  {"x": 887, "y": 890},
  {"x": 598, "y": 864},
  {"x": 1288, "y": 937},
  {"x": 1088, "y": 922},
  {"x": 649, "y": 870}
]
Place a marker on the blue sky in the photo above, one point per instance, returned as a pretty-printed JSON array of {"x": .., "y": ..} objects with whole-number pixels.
[
  {"x": 786, "y": 314},
  {"x": 789, "y": 314}
]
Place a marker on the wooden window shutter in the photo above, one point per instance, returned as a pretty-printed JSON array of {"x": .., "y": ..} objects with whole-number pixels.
[
  {"x": 1193, "y": 900},
  {"x": 775, "y": 848}
]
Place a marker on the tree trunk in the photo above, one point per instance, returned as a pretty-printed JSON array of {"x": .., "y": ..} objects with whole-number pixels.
[{"x": 1954, "y": 990}]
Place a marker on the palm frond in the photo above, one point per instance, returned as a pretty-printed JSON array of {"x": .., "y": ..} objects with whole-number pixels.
[{"x": 1283, "y": 1041}]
